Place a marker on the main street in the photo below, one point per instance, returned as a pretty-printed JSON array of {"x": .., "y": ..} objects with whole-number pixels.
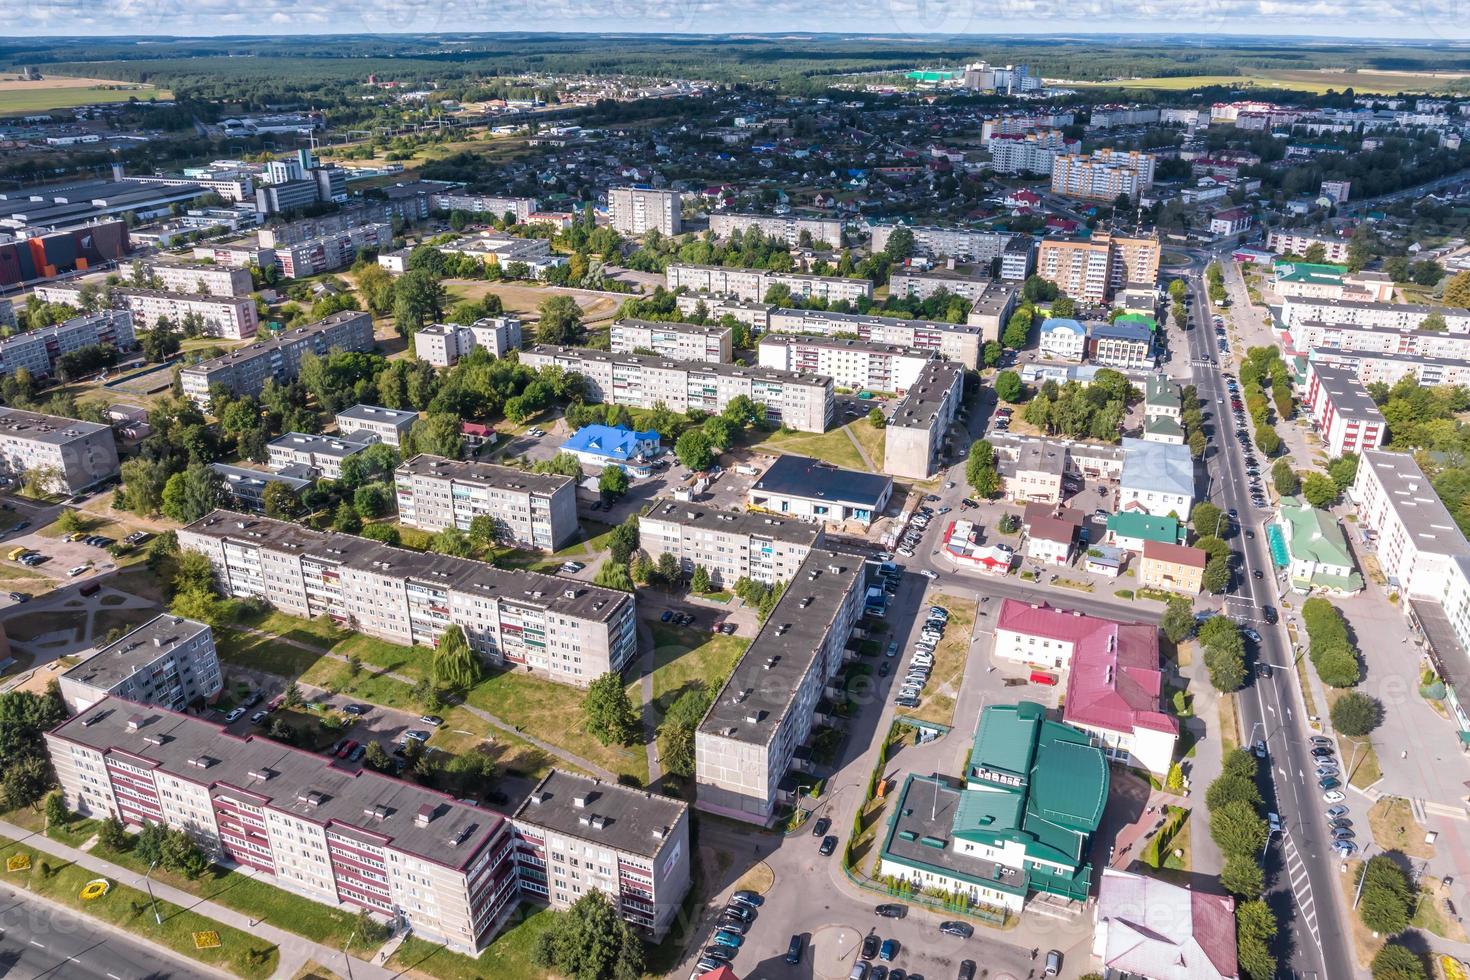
[{"x": 1300, "y": 861}]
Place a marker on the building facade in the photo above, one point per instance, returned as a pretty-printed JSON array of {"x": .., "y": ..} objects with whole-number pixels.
[
  {"x": 1173, "y": 567},
  {"x": 168, "y": 661},
  {"x": 853, "y": 364},
  {"x": 730, "y": 545},
  {"x": 676, "y": 341},
  {"x": 1294, "y": 243},
  {"x": 38, "y": 350},
  {"x": 200, "y": 280},
  {"x": 753, "y": 284},
  {"x": 443, "y": 344},
  {"x": 533, "y": 510},
  {"x": 784, "y": 228},
  {"x": 964, "y": 244},
  {"x": 915, "y": 436},
  {"x": 636, "y": 210},
  {"x": 498, "y": 205},
  {"x": 245, "y": 371},
  {"x": 1345, "y": 416},
  {"x": 75, "y": 454},
  {"x": 799, "y": 486},
  {"x": 564, "y": 630},
  {"x": 388, "y": 425},
  {"x": 1103, "y": 175},
  {"x": 1093, "y": 269},
  {"x": 1415, "y": 537},
  {"x": 229, "y": 317},
  {"x": 319, "y": 455},
  {"x": 960, "y": 342}
]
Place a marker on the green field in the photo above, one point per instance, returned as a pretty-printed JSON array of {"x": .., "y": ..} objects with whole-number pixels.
[
  {"x": 41, "y": 96},
  {"x": 1386, "y": 82}
]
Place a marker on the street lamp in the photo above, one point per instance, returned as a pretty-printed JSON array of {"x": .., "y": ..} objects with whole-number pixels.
[
  {"x": 149, "y": 885},
  {"x": 1362, "y": 875},
  {"x": 1354, "y": 759},
  {"x": 345, "y": 957}
]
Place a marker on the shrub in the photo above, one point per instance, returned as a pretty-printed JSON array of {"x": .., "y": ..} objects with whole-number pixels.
[
  {"x": 1396, "y": 962},
  {"x": 1356, "y": 714}
]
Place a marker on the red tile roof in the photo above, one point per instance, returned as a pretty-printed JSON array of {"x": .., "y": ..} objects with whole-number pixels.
[{"x": 1178, "y": 554}]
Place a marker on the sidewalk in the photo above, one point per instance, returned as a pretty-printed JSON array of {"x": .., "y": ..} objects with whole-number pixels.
[{"x": 294, "y": 950}]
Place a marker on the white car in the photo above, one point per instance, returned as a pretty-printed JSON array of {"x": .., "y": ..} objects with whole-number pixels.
[
  {"x": 234, "y": 715},
  {"x": 1333, "y": 796},
  {"x": 929, "y": 573},
  {"x": 74, "y": 572}
]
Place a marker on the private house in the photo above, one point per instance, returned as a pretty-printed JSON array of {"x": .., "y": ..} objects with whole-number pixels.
[
  {"x": 1311, "y": 547},
  {"x": 1149, "y": 929},
  {"x": 1052, "y": 532},
  {"x": 615, "y": 445},
  {"x": 1175, "y": 567}
]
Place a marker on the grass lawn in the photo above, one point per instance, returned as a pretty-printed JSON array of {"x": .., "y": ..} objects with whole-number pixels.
[
  {"x": 834, "y": 447},
  {"x": 872, "y": 440},
  {"x": 507, "y": 958},
  {"x": 263, "y": 653},
  {"x": 1430, "y": 914},
  {"x": 75, "y": 832},
  {"x": 1395, "y": 829},
  {"x": 22, "y": 575},
  {"x": 238, "y": 952},
  {"x": 106, "y": 620},
  {"x": 1229, "y": 724},
  {"x": 683, "y": 657},
  {"x": 41, "y": 96},
  {"x": 938, "y": 702}
]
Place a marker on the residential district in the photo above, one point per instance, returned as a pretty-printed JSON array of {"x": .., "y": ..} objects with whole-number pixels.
[{"x": 950, "y": 527}]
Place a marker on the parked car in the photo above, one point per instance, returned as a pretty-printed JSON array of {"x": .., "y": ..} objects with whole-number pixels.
[
  {"x": 794, "y": 950},
  {"x": 355, "y": 710},
  {"x": 234, "y": 715},
  {"x": 967, "y": 970},
  {"x": 888, "y": 951},
  {"x": 1333, "y": 796},
  {"x": 962, "y": 929},
  {"x": 870, "y": 946},
  {"x": 891, "y": 910},
  {"x": 346, "y": 748},
  {"x": 820, "y": 828},
  {"x": 859, "y": 971},
  {"x": 259, "y": 717},
  {"x": 433, "y": 721},
  {"x": 829, "y": 845},
  {"x": 19, "y": 597},
  {"x": 726, "y": 938},
  {"x": 720, "y": 954},
  {"x": 748, "y": 898},
  {"x": 416, "y": 735},
  {"x": 1333, "y": 812},
  {"x": 1053, "y": 963}
]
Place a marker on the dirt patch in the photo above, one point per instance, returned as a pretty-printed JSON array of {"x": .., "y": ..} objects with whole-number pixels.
[
  {"x": 1395, "y": 829},
  {"x": 758, "y": 879}
]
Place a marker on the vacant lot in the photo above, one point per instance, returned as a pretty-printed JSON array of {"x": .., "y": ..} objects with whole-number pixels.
[
  {"x": 523, "y": 299},
  {"x": 1318, "y": 81},
  {"x": 17, "y": 96}
]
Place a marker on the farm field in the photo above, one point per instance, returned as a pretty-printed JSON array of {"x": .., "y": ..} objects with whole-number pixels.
[
  {"x": 1308, "y": 80},
  {"x": 17, "y": 96}
]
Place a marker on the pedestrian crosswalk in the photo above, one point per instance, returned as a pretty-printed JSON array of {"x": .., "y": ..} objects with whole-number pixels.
[{"x": 1301, "y": 888}]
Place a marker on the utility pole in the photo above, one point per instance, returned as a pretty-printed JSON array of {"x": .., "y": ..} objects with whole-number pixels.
[{"x": 156, "y": 917}]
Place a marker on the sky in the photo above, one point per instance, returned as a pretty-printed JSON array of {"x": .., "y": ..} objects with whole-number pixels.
[{"x": 1281, "y": 19}]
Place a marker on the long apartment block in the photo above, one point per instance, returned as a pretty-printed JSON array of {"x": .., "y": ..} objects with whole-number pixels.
[
  {"x": 802, "y": 402},
  {"x": 1415, "y": 535},
  {"x": 1334, "y": 250},
  {"x": 953, "y": 341},
  {"x": 229, "y": 317},
  {"x": 532, "y": 510},
  {"x": 201, "y": 280},
  {"x": 1092, "y": 269},
  {"x": 443, "y": 344},
  {"x": 566, "y": 630},
  {"x": 169, "y": 661},
  {"x": 335, "y": 250},
  {"x": 751, "y": 284},
  {"x": 1337, "y": 322},
  {"x": 752, "y": 314},
  {"x": 730, "y": 545},
  {"x": 745, "y": 749},
  {"x": 1103, "y": 175},
  {"x": 1369, "y": 366},
  {"x": 38, "y": 350},
  {"x": 677, "y": 341},
  {"x": 498, "y": 205},
  {"x": 245, "y": 371},
  {"x": 914, "y": 437},
  {"x": 967, "y": 244},
  {"x": 575, "y": 833},
  {"x": 333, "y": 833},
  {"x": 78, "y": 454},
  {"x": 782, "y": 227},
  {"x": 853, "y": 364}
]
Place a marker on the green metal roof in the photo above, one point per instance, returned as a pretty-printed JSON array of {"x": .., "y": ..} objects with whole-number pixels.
[
  {"x": 1006, "y": 738},
  {"x": 1134, "y": 524},
  {"x": 1310, "y": 272},
  {"x": 1069, "y": 783},
  {"x": 1313, "y": 534},
  {"x": 1142, "y": 319},
  {"x": 1159, "y": 390},
  {"x": 1164, "y": 425}
]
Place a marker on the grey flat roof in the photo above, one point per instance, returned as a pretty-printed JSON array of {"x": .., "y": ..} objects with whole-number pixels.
[
  {"x": 734, "y": 522},
  {"x": 802, "y": 476},
  {"x": 55, "y": 429},
  {"x": 995, "y": 297},
  {"x": 115, "y": 662},
  {"x": 488, "y": 474},
  {"x": 237, "y": 475},
  {"x": 869, "y": 320},
  {"x": 322, "y": 445},
  {"x": 632, "y": 819},
  {"x": 343, "y": 797},
  {"x": 589, "y": 602},
  {"x": 752, "y": 705},
  {"x": 161, "y": 294},
  {"x": 376, "y": 413},
  {"x": 926, "y": 395},
  {"x": 673, "y": 326},
  {"x": 1415, "y": 502},
  {"x": 1348, "y": 395},
  {"x": 840, "y": 343},
  {"x": 287, "y": 339},
  {"x": 689, "y": 367},
  {"x": 1040, "y": 456}
]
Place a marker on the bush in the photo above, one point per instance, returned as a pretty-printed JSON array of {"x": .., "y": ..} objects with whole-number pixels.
[
  {"x": 1395, "y": 962},
  {"x": 1356, "y": 714},
  {"x": 1387, "y": 897},
  {"x": 1338, "y": 667},
  {"x": 1243, "y": 877}
]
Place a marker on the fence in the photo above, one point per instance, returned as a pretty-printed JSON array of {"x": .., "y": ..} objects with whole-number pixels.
[{"x": 960, "y": 905}]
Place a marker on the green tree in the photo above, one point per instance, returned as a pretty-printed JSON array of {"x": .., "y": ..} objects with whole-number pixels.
[
  {"x": 1018, "y": 329},
  {"x": 980, "y": 472},
  {"x": 1226, "y": 667},
  {"x": 112, "y": 835},
  {"x": 699, "y": 581},
  {"x": 455, "y": 665},
  {"x": 1457, "y": 290},
  {"x": 1267, "y": 441},
  {"x": 613, "y": 482},
  {"x": 1397, "y": 962},
  {"x": 608, "y": 711},
  {"x": 484, "y": 530},
  {"x": 418, "y": 299},
  {"x": 1255, "y": 930},
  {"x": 189, "y": 495},
  {"x": 1242, "y": 877},
  {"x": 1238, "y": 829},
  {"x": 612, "y": 575},
  {"x": 876, "y": 418},
  {"x": 1008, "y": 387},
  {"x": 623, "y": 540},
  {"x": 1205, "y": 518},
  {"x": 1284, "y": 478},
  {"x": 280, "y": 501},
  {"x": 57, "y": 815},
  {"x": 1177, "y": 622},
  {"x": 1319, "y": 490},
  {"x": 453, "y": 542},
  {"x": 694, "y": 450},
  {"x": 1343, "y": 471},
  {"x": 1356, "y": 714},
  {"x": 590, "y": 941},
  {"x": 561, "y": 321},
  {"x": 437, "y": 434},
  {"x": 1217, "y": 576},
  {"x": 346, "y": 519},
  {"x": 1386, "y": 898},
  {"x": 900, "y": 244}
]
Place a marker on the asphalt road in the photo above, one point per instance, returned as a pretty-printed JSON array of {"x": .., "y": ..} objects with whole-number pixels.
[
  {"x": 38, "y": 941},
  {"x": 1299, "y": 863}
]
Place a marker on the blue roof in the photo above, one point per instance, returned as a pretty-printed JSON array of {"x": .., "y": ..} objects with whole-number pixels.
[
  {"x": 615, "y": 442},
  {"x": 1055, "y": 324}
]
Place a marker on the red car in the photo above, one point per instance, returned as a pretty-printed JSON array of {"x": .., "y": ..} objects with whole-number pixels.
[{"x": 346, "y": 748}]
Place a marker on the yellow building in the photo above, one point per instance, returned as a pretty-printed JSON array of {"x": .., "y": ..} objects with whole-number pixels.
[
  {"x": 1092, "y": 269},
  {"x": 1175, "y": 567}
]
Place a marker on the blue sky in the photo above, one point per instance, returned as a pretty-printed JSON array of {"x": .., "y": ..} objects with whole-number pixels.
[{"x": 1283, "y": 19}]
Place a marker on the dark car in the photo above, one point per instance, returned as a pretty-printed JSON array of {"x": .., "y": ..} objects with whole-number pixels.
[
  {"x": 732, "y": 924},
  {"x": 356, "y": 710},
  {"x": 1256, "y": 573},
  {"x": 668, "y": 615},
  {"x": 879, "y": 972},
  {"x": 870, "y": 946},
  {"x": 19, "y": 597},
  {"x": 819, "y": 829},
  {"x": 720, "y": 954},
  {"x": 829, "y": 844},
  {"x": 888, "y": 951},
  {"x": 891, "y": 911},
  {"x": 967, "y": 970},
  {"x": 962, "y": 929},
  {"x": 883, "y": 669},
  {"x": 1269, "y": 612},
  {"x": 794, "y": 950},
  {"x": 356, "y": 754},
  {"x": 747, "y": 897},
  {"x": 738, "y": 911},
  {"x": 1321, "y": 752}
]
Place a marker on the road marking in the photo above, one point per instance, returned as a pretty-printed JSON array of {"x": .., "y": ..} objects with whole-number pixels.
[
  {"x": 113, "y": 976},
  {"x": 37, "y": 945}
]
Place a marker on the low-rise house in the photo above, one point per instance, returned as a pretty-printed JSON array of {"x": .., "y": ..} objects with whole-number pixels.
[
  {"x": 1115, "y": 692},
  {"x": 1063, "y": 339},
  {"x": 615, "y": 445},
  {"x": 1123, "y": 345},
  {"x": 1149, "y": 929},
  {"x": 321, "y": 454},
  {"x": 1175, "y": 567},
  {"x": 1105, "y": 560},
  {"x": 1308, "y": 543},
  {"x": 389, "y": 425},
  {"x": 1052, "y": 532},
  {"x": 810, "y": 488},
  {"x": 245, "y": 487},
  {"x": 1157, "y": 478}
]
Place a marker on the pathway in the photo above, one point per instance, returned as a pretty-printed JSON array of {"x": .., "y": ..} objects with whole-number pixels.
[
  {"x": 650, "y": 715},
  {"x": 847, "y": 430},
  {"x": 586, "y": 765},
  {"x": 295, "y": 951}
]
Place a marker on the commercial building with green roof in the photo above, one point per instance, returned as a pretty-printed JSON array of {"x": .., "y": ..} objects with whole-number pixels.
[
  {"x": 1310, "y": 273},
  {"x": 1142, "y": 319},
  {"x": 1130, "y": 529},
  {"x": 1316, "y": 554},
  {"x": 1020, "y": 823}
]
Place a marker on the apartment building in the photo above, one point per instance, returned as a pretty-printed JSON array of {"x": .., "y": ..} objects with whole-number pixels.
[
  {"x": 408, "y": 202},
  {"x": 960, "y": 342},
  {"x": 1334, "y": 250},
  {"x": 77, "y": 454},
  {"x": 443, "y": 344},
  {"x": 1346, "y": 343},
  {"x": 244, "y": 487},
  {"x": 335, "y": 250},
  {"x": 565, "y": 630},
  {"x": 1032, "y": 153},
  {"x": 245, "y": 371},
  {"x": 964, "y": 244},
  {"x": 1416, "y": 538},
  {"x": 992, "y": 309},
  {"x": 852, "y": 364},
  {"x": 38, "y": 350},
  {"x": 915, "y": 434},
  {"x": 1093, "y": 269},
  {"x": 386, "y": 425},
  {"x": 923, "y": 283},
  {"x": 753, "y": 315},
  {"x": 752, "y": 284},
  {"x": 1019, "y": 258},
  {"x": 305, "y": 453},
  {"x": 676, "y": 341},
  {"x": 530, "y": 510},
  {"x": 332, "y": 834},
  {"x": 230, "y": 317},
  {"x": 746, "y": 747},
  {"x": 496, "y": 205},
  {"x": 636, "y": 210},
  {"x": 1299, "y": 311},
  {"x": 574, "y": 834},
  {"x": 237, "y": 254},
  {"x": 200, "y": 280},
  {"x": 802, "y": 402},
  {"x": 168, "y": 661},
  {"x": 1369, "y": 367},
  {"x": 1103, "y": 175},
  {"x": 730, "y": 545},
  {"x": 812, "y": 489},
  {"x": 1343, "y": 413},
  {"x": 786, "y": 228}
]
